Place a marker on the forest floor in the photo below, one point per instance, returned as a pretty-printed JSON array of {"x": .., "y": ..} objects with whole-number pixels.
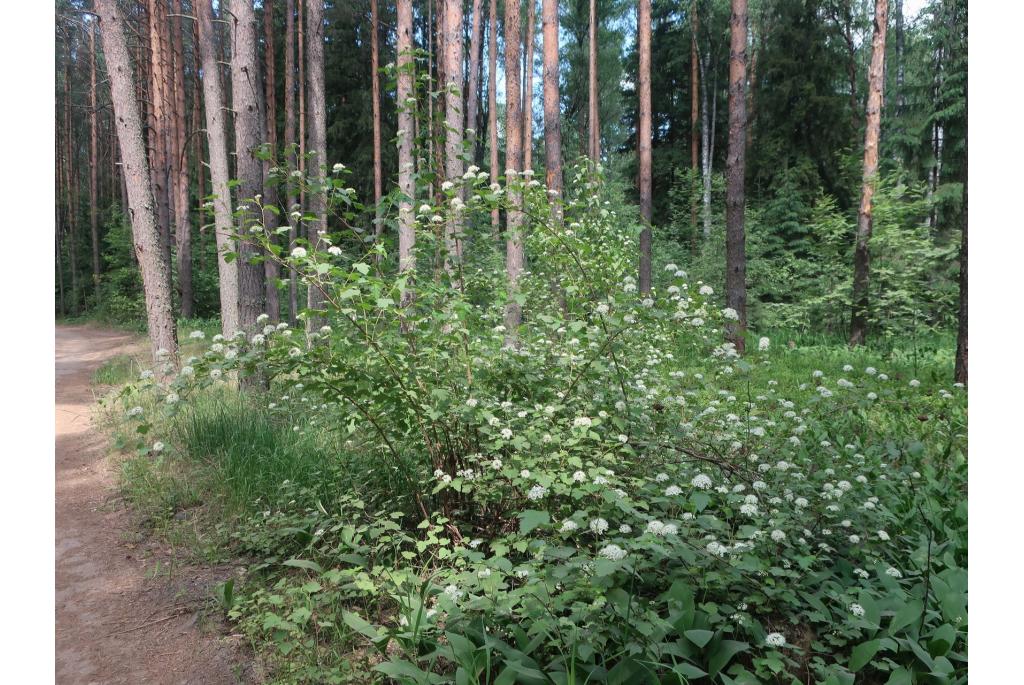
[{"x": 127, "y": 611}]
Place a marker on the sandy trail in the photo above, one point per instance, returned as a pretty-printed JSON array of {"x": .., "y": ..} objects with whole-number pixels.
[{"x": 115, "y": 624}]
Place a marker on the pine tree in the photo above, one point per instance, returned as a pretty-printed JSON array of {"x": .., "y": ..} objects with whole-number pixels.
[
  {"x": 141, "y": 204},
  {"x": 735, "y": 235}
]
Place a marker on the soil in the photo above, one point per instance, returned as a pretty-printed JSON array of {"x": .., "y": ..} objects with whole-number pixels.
[{"x": 121, "y": 617}]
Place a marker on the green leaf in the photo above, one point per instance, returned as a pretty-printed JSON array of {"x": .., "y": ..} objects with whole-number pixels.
[
  {"x": 942, "y": 640},
  {"x": 910, "y": 612},
  {"x": 361, "y": 267},
  {"x": 303, "y": 563},
  {"x": 863, "y": 653},
  {"x": 699, "y": 637},
  {"x": 724, "y": 653},
  {"x": 900, "y": 676},
  {"x": 531, "y": 518}
]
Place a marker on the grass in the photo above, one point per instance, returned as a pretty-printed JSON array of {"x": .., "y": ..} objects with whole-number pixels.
[{"x": 251, "y": 452}]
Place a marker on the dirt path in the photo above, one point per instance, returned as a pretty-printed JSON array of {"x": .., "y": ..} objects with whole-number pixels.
[{"x": 115, "y": 624}]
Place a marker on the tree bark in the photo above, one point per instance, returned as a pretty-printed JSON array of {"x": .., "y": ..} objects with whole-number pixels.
[
  {"x": 289, "y": 142},
  {"x": 179, "y": 169},
  {"x": 216, "y": 113},
  {"x": 552, "y": 107},
  {"x": 531, "y": 22},
  {"x": 594, "y": 147},
  {"x": 705, "y": 146},
  {"x": 271, "y": 267},
  {"x": 960, "y": 370},
  {"x": 861, "y": 254},
  {"x": 644, "y": 140},
  {"x": 161, "y": 171},
  {"x": 301, "y": 25},
  {"x": 378, "y": 178},
  {"x": 94, "y": 161},
  {"x": 694, "y": 123},
  {"x": 492, "y": 102},
  {"x": 317, "y": 142},
  {"x": 406, "y": 101},
  {"x": 476, "y": 38},
  {"x": 735, "y": 236},
  {"x": 451, "y": 46},
  {"x": 141, "y": 204},
  {"x": 69, "y": 186},
  {"x": 245, "y": 93},
  {"x": 513, "y": 164}
]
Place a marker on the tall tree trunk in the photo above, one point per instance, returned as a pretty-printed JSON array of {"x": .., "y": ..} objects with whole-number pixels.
[
  {"x": 160, "y": 96},
  {"x": 289, "y": 143},
  {"x": 58, "y": 224},
  {"x": 472, "y": 99},
  {"x": 861, "y": 254},
  {"x": 317, "y": 141},
  {"x": 145, "y": 234},
  {"x": 220, "y": 175},
  {"x": 694, "y": 123},
  {"x": 94, "y": 161},
  {"x": 513, "y": 164},
  {"x": 245, "y": 93},
  {"x": 451, "y": 46},
  {"x": 705, "y": 143},
  {"x": 197, "y": 140},
  {"x": 552, "y": 108},
  {"x": 492, "y": 102},
  {"x": 405, "y": 99},
  {"x": 531, "y": 22},
  {"x": 735, "y": 235},
  {"x": 960, "y": 370},
  {"x": 378, "y": 176},
  {"x": 69, "y": 186},
  {"x": 301, "y": 25},
  {"x": 179, "y": 167},
  {"x": 901, "y": 98},
  {"x": 644, "y": 141},
  {"x": 594, "y": 146},
  {"x": 271, "y": 267}
]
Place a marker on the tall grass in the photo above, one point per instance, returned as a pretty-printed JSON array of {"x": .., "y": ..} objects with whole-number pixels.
[{"x": 251, "y": 452}]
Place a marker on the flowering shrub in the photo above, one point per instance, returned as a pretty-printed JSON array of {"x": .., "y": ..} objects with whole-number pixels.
[{"x": 609, "y": 494}]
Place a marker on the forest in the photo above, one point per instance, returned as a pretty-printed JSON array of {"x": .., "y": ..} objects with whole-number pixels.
[{"x": 533, "y": 341}]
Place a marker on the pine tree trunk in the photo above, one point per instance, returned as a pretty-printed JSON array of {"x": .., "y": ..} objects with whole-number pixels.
[
  {"x": 271, "y": 267},
  {"x": 94, "y": 161},
  {"x": 472, "y": 99},
  {"x": 694, "y": 123},
  {"x": 405, "y": 98},
  {"x": 531, "y": 22},
  {"x": 451, "y": 47},
  {"x": 301, "y": 27},
  {"x": 197, "y": 140},
  {"x": 378, "y": 176},
  {"x": 513, "y": 164},
  {"x": 552, "y": 107},
  {"x": 705, "y": 144},
  {"x": 492, "y": 103},
  {"x": 861, "y": 255},
  {"x": 289, "y": 143},
  {"x": 594, "y": 146},
  {"x": 245, "y": 93},
  {"x": 960, "y": 370},
  {"x": 69, "y": 187},
  {"x": 216, "y": 116},
  {"x": 183, "y": 224},
  {"x": 735, "y": 235},
  {"x": 160, "y": 97},
  {"x": 317, "y": 141},
  {"x": 644, "y": 141},
  {"x": 142, "y": 209}
]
